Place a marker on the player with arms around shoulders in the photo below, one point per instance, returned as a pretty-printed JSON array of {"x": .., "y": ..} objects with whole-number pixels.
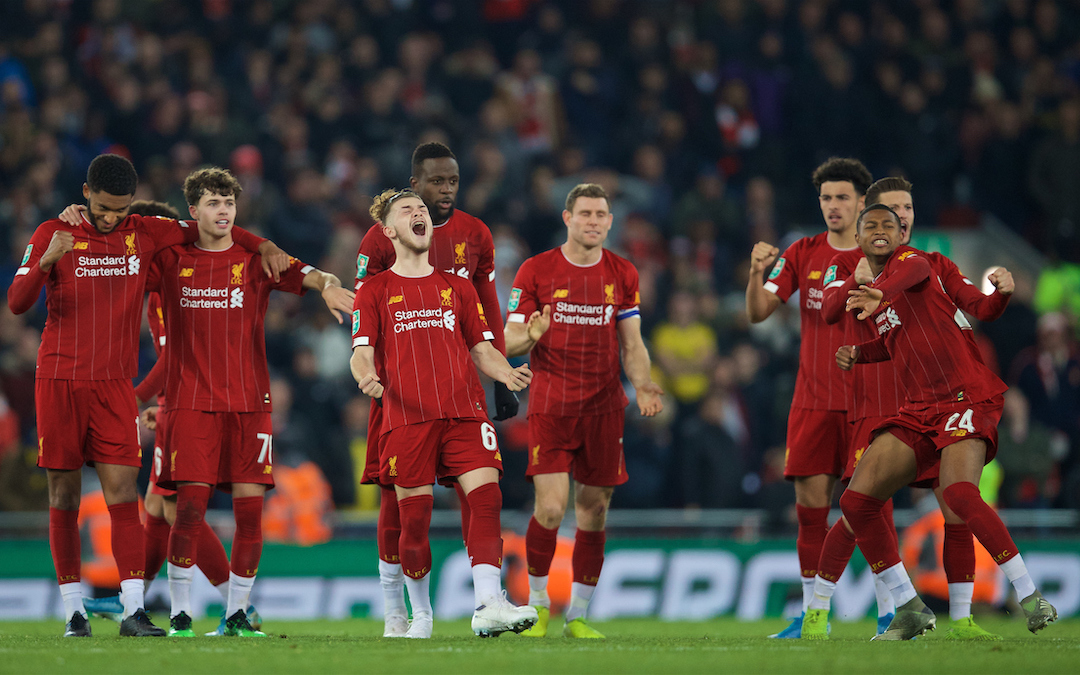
[
  {"x": 817, "y": 432},
  {"x": 575, "y": 310},
  {"x": 460, "y": 245},
  {"x": 160, "y": 503},
  {"x": 946, "y": 428},
  {"x": 419, "y": 336},
  {"x": 93, "y": 264},
  {"x": 217, "y": 388},
  {"x": 877, "y": 394}
]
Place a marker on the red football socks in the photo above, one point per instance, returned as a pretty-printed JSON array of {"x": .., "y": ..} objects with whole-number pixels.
[
  {"x": 540, "y": 545},
  {"x": 212, "y": 559},
  {"x": 836, "y": 551},
  {"x": 156, "y": 532},
  {"x": 813, "y": 526},
  {"x": 65, "y": 545},
  {"x": 389, "y": 529},
  {"x": 466, "y": 516},
  {"x": 964, "y": 499},
  {"x": 248, "y": 541},
  {"x": 414, "y": 545},
  {"x": 128, "y": 546},
  {"x": 190, "y": 513},
  {"x": 958, "y": 553},
  {"x": 588, "y": 556},
  {"x": 485, "y": 544},
  {"x": 864, "y": 514}
]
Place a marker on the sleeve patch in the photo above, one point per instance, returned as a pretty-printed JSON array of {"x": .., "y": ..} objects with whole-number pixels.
[
  {"x": 361, "y": 341},
  {"x": 515, "y": 318},
  {"x": 772, "y": 288},
  {"x": 306, "y": 269},
  {"x": 26, "y": 256},
  {"x": 361, "y": 266},
  {"x": 777, "y": 269},
  {"x": 355, "y": 321},
  {"x": 515, "y": 299},
  {"x": 830, "y": 276}
]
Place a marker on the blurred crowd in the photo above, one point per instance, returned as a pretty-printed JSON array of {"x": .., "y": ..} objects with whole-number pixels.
[{"x": 703, "y": 119}]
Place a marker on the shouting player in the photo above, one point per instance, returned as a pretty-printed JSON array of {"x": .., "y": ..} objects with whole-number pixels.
[
  {"x": 946, "y": 428},
  {"x": 94, "y": 274},
  {"x": 817, "y": 433},
  {"x": 217, "y": 388},
  {"x": 877, "y": 395},
  {"x": 414, "y": 330},
  {"x": 460, "y": 245},
  {"x": 575, "y": 309}
]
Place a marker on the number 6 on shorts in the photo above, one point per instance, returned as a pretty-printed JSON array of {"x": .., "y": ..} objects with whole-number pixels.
[{"x": 488, "y": 437}]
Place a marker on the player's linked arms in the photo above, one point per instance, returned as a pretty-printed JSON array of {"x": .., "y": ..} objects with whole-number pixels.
[
  {"x": 149, "y": 417},
  {"x": 72, "y": 215}
]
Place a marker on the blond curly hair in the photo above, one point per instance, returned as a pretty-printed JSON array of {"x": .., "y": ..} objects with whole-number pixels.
[{"x": 380, "y": 206}]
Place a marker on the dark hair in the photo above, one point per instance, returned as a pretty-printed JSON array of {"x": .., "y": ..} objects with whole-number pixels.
[
  {"x": 112, "y": 174},
  {"x": 433, "y": 150},
  {"x": 887, "y": 184},
  {"x": 586, "y": 190},
  {"x": 380, "y": 206},
  {"x": 148, "y": 207},
  {"x": 876, "y": 207},
  {"x": 212, "y": 180},
  {"x": 839, "y": 169}
]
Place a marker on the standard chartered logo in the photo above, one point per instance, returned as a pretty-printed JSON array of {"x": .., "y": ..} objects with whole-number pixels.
[
  {"x": 133, "y": 265},
  {"x": 583, "y": 315},
  {"x": 236, "y": 299},
  {"x": 448, "y": 320}
]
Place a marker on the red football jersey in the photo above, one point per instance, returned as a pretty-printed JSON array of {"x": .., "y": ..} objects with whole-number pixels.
[
  {"x": 876, "y": 388},
  {"x": 928, "y": 339},
  {"x": 214, "y": 303},
  {"x": 94, "y": 295},
  {"x": 461, "y": 246},
  {"x": 819, "y": 385},
  {"x": 422, "y": 329},
  {"x": 576, "y": 362}
]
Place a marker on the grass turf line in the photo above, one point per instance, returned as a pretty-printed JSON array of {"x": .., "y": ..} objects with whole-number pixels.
[{"x": 633, "y": 646}]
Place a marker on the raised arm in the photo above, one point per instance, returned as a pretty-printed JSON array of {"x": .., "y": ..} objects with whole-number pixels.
[
  {"x": 760, "y": 303},
  {"x": 637, "y": 366},
  {"x": 31, "y": 275}
]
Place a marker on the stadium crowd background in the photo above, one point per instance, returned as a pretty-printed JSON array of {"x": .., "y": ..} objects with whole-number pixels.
[{"x": 704, "y": 119}]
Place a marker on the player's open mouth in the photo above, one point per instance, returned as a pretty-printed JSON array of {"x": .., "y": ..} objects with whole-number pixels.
[
  {"x": 880, "y": 243},
  {"x": 221, "y": 223},
  {"x": 419, "y": 228}
]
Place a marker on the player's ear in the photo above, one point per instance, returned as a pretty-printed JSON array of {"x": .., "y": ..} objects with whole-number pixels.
[
  {"x": 566, "y": 217},
  {"x": 85, "y": 191},
  {"x": 191, "y": 210}
]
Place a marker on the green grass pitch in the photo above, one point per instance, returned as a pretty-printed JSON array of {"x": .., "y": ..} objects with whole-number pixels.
[{"x": 633, "y": 646}]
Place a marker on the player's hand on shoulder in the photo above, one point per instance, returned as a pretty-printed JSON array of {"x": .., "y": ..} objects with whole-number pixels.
[
  {"x": 61, "y": 244},
  {"x": 538, "y": 324},
  {"x": 274, "y": 260},
  {"x": 863, "y": 274},
  {"x": 149, "y": 417},
  {"x": 369, "y": 385},
  {"x": 1003, "y": 281},
  {"x": 519, "y": 378},
  {"x": 762, "y": 255},
  {"x": 72, "y": 215},
  {"x": 649, "y": 399},
  {"x": 846, "y": 356}
]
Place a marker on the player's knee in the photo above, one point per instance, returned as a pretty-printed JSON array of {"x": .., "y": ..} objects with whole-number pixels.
[
  {"x": 549, "y": 513},
  {"x": 65, "y": 500},
  {"x": 592, "y": 515}
]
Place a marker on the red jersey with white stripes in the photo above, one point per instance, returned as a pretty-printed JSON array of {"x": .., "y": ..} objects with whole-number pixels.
[
  {"x": 461, "y": 246},
  {"x": 575, "y": 363},
  {"x": 927, "y": 338},
  {"x": 819, "y": 385},
  {"x": 94, "y": 294},
  {"x": 876, "y": 388},
  {"x": 422, "y": 329},
  {"x": 214, "y": 304}
]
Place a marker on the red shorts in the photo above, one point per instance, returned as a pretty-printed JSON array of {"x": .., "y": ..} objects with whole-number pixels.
[
  {"x": 86, "y": 421},
  {"x": 374, "y": 439},
  {"x": 589, "y": 447},
  {"x": 862, "y": 433},
  {"x": 415, "y": 455},
  {"x": 218, "y": 448},
  {"x": 817, "y": 443},
  {"x": 928, "y": 432},
  {"x": 159, "y": 457}
]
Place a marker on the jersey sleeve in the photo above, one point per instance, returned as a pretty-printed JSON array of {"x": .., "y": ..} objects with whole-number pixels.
[
  {"x": 365, "y": 318},
  {"x": 154, "y": 382},
  {"x": 783, "y": 281},
  {"x": 631, "y": 294},
  {"x": 873, "y": 351},
  {"x": 839, "y": 279},
  {"x": 523, "y": 296},
  {"x": 167, "y": 232},
  {"x": 964, "y": 293},
  {"x": 375, "y": 255},
  {"x": 474, "y": 325},
  {"x": 485, "y": 266},
  {"x": 29, "y": 277},
  {"x": 908, "y": 269},
  {"x": 292, "y": 279}
]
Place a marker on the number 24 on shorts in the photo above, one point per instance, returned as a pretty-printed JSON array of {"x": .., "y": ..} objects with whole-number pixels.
[{"x": 960, "y": 421}]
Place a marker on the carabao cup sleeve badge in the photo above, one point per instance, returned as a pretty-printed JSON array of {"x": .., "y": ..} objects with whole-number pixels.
[{"x": 515, "y": 298}]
